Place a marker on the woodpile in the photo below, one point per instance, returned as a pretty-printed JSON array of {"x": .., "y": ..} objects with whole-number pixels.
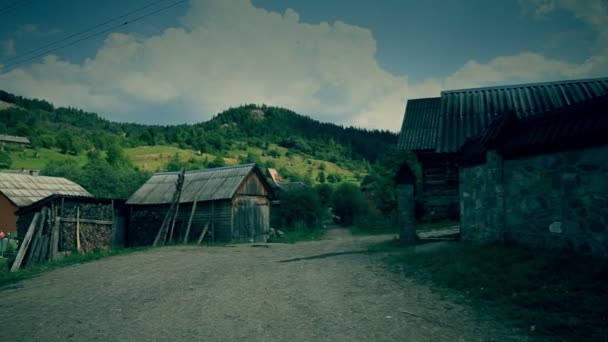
[{"x": 82, "y": 228}]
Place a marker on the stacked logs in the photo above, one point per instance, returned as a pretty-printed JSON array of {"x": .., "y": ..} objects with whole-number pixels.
[{"x": 82, "y": 228}]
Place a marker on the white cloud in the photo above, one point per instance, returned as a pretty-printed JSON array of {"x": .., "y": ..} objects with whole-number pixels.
[
  {"x": 8, "y": 47},
  {"x": 34, "y": 30},
  {"x": 228, "y": 53}
]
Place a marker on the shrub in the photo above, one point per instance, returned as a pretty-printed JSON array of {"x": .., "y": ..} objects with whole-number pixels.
[
  {"x": 300, "y": 207},
  {"x": 348, "y": 203}
]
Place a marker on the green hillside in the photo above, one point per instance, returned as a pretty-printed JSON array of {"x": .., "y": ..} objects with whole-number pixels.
[{"x": 86, "y": 147}]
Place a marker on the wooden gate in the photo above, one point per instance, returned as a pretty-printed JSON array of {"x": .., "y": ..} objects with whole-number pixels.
[{"x": 250, "y": 220}]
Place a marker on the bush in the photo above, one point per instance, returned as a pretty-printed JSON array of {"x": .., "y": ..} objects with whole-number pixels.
[
  {"x": 300, "y": 207},
  {"x": 5, "y": 160},
  {"x": 349, "y": 203}
]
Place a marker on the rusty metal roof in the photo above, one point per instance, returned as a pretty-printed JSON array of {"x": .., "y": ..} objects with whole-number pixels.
[
  {"x": 14, "y": 139},
  {"x": 466, "y": 113},
  {"x": 200, "y": 185},
  {"x": 24, "y": 189},
  {"x": 420, "y": 124}
]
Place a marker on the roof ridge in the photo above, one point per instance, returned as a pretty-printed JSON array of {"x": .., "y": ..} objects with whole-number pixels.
[
  {"x": 221, "y": 168},
  {"x": 524, "y": 85}
]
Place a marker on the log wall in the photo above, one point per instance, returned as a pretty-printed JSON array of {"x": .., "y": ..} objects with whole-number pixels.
[{"x": 439, "y": 186}]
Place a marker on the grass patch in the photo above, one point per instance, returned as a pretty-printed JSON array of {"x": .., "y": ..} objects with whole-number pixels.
[
  {"x": 300, "y": 235},
  {"x": 563, "y": 296},
  {"x": 7, "y": 277}
]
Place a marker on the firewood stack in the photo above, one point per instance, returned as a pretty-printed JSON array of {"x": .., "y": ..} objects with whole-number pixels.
[{"x": 83, "y": 228}]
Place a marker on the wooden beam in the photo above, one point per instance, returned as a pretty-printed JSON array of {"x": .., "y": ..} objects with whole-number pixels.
[
  {"x": 78, "y": 229},
  {"x": 200, "y": 239},
  {"x": 55, "y": 238},
  {"x": 190, "y": 220},
  {"x": 81, "y": 220},
  {"x": 25, "y": 244},
  {"x": 37, "y": 241}
]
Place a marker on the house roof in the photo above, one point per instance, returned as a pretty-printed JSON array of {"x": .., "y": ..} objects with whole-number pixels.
[
  {"x": 14, "y": 139},
  {"x": 420, "y": 124},
  {"x": 289, "y": 186},
  {"x": 199, "y": 185},
  {"x": 24, "y": 189},
  {"x": 575, "y": 126},
  {"x": 467, "y": 113}
]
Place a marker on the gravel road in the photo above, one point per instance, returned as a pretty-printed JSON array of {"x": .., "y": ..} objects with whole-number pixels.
[{"x": 328, "y": 290}]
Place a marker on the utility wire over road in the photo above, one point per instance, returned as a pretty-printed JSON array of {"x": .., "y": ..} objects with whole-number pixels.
[{"x": 68, "y": 41}]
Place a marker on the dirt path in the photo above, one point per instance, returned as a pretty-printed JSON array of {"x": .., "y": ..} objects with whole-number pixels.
[{"x": 317, "y": 291}]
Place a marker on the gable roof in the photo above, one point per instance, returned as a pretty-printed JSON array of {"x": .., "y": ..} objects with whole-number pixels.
[
  {"x": 24, "y": 189},
  {"x": 200, "y": 185},
  {"x": 14, "y": 139},
  {"x": 420, "y": 124},
  {"x": 466, "y": 113}
]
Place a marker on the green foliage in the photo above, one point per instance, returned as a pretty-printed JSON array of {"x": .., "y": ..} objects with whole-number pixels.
[
  {"x": 274, "y": 153},
  {"x": 218, "y": 161},
  {"x": 115, "y": 155},
  {"x": 300, "y": 208},
  {"x": 5, "y": 160},
  {"x": 348, "y": 203},
  {"x": 325, "y": 192},
  {"x": 67, "y": 144},
  {"x": 321, "y": 177}
]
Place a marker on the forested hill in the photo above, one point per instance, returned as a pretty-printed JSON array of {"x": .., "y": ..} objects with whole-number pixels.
[
  {"x": 83, "y": 146},
  {"x": 255, "y": 125}
]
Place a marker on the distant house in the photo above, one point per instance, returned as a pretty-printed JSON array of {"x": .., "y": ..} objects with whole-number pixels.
[
  {"x": 14, "y": 140},
  {"x": 234, "y": 201},
  {"x": 540, "y": 181},
  {"x": 435, "y": 129},
  {"x": 19, "y": 190}
]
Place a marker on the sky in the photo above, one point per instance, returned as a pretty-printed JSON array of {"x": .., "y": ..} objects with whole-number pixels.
[{"x": 348, "y": 62}]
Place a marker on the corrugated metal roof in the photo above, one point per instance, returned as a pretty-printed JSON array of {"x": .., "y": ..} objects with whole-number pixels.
[
  {"x": 576, "y": 126},
  {"x": 201, "y": 185},
  {"x": 420, "y": 124},
  {"x": 14, "y": 139},
  {"x": 466, "y": 113},
  {"x": 24, "y": 189}
]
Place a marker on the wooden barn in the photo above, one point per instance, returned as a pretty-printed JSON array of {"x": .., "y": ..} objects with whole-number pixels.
[
  {"x": 18, "y": 190},
  {"x": 227, "y": 203},
  {"x": 435, "y": 129}
]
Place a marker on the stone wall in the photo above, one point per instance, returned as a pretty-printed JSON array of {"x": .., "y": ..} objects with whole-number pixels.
[{"x": 557, "y": 200}]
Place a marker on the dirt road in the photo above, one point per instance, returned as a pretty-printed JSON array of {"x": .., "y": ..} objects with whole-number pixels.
[{"x": 316, "y": 291}]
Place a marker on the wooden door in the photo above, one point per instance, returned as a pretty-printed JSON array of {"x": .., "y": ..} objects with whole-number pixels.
[{"x": 251, "y": 219}]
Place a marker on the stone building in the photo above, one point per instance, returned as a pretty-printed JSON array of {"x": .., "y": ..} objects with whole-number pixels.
[
  {"x": 435, "y": 129},
  {"x": 540, "y": 181}
]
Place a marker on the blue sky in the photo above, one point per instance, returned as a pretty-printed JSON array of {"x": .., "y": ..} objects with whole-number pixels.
[{"x": 350, "y": 62}]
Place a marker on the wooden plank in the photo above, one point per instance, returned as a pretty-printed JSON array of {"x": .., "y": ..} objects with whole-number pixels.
[
  {"x": 26, "y": 243},
  {"x": 55, "y": 239},
  {"x": 78, "y": 229},
  {"x": 200, "y": 239},
  {"x": 37, "y": 242},
  {"x": 81, "y": 220},
  {"x": 174, "y": 219},
  {"x": 44, "y": 250},
  {"x": 190, "y": 220}
]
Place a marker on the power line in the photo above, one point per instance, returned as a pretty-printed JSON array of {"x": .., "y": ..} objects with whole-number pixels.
[
  {"x": 14, "y": 5},
  {"x": 82, "y": 32},
  {"x": 11, "y": 65}
]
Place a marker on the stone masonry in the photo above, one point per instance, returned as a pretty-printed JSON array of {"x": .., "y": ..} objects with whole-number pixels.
[{"x": 557, "y": 200}]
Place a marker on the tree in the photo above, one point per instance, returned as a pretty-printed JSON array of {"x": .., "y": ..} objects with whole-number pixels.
[
  {"x": 218, "y": 161},
  {"x": 66, "y": 143},
  {"x": 115, "y": 154},
  {"x": 325, "y": 192},
  {"x": 348, "y": 203},
  {"x": 321, "y": 177},
  {"x": 5, "y": 160},
  {"x": 299, "y": 207}
]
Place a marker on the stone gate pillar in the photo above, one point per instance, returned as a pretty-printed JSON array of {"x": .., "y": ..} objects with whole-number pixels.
[{"x": 406, "y": 181}]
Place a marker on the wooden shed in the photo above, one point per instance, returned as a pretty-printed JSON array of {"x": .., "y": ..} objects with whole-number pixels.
[
  {"x": 233, "y": 202},
  {"x": 18, "y": 190}
]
